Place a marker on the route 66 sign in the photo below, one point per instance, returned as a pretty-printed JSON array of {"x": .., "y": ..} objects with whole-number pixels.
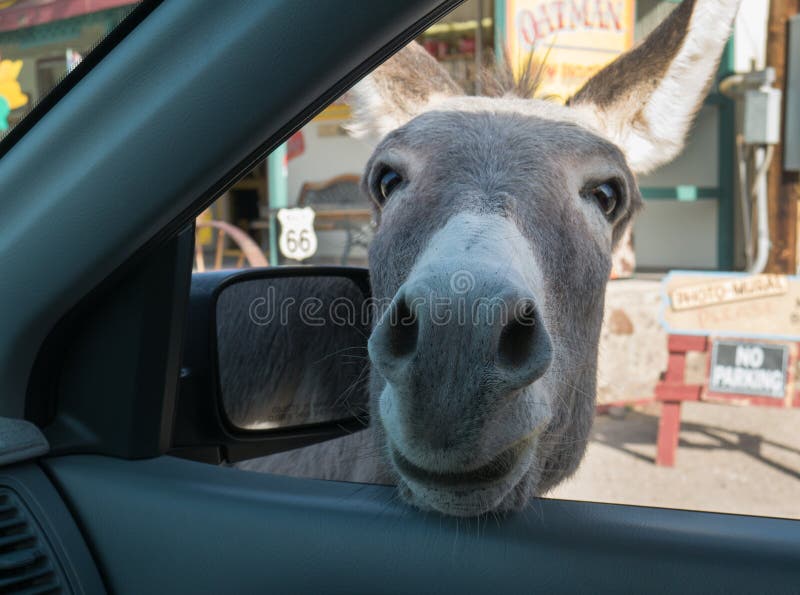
[{"x": 297, "y": 240}]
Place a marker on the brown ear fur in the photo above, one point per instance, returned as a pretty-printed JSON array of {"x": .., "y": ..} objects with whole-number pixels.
[
  {"x": 397, "y": 91},
  {"x": 647, "y": 99},
  {"x": 633, "y": 77}
]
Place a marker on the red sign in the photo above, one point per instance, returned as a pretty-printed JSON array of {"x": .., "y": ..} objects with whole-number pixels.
[
  {"x": 295, "y": 146},
  {"x": 548, "y": 18}
]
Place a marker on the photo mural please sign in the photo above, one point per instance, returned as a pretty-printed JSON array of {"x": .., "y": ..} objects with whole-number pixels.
[
  {"x": 753, "y": 326},
  {"x": 573, "y": 39},
  {"x": 731, "y": 305}
]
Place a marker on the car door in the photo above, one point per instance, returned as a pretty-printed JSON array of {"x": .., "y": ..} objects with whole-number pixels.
[{"x": 96, "y": 259}]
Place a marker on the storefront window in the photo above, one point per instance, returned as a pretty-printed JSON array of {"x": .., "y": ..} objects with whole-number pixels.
[
  {"x": 316, "y": 173},
  {"x": 464, "y": 42}
]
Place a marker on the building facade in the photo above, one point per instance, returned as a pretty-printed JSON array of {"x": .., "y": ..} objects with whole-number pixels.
[{"x": 691, "y": 219}]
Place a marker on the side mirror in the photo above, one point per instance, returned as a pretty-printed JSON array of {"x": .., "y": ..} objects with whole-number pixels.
[{"x": 275, "y": 359}]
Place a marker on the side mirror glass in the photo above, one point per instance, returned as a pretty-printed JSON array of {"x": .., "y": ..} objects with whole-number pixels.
[{"x": 292, "y": 350}]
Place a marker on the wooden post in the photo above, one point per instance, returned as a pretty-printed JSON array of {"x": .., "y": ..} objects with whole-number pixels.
[
  {"x": 672, "y": 391},
  {"x": 783, "y": 187},
  {"x": 669, "y": 428}
]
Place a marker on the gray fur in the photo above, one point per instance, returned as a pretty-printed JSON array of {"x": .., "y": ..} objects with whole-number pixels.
[
  {"x": 519, "y": 167},
  {"x": 278, "y": 373},
  {"x": 447, "y": 426}
]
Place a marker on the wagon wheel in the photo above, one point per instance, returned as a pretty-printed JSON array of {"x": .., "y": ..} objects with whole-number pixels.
[{"x": 249, "y": 250}]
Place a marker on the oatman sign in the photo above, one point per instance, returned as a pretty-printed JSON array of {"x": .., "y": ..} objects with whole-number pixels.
[{"x": 749, "y": 369}]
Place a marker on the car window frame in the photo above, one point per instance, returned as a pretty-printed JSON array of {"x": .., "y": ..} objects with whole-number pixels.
[
  {"x": 95, "y": 122},
  {"x": 582, "y": 544}
]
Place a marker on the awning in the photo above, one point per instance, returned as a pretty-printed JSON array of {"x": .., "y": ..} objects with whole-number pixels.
[{"x": 20, "y": 14}]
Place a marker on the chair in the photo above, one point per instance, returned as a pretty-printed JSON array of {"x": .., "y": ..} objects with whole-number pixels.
[
  {"x": 340, "y": 205},
  {"x": 247, "y": 248}
]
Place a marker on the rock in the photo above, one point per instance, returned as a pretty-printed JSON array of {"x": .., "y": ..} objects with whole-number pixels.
[
  {"x": 619, "y": 323},
  {"x": 633, "y": 344}
]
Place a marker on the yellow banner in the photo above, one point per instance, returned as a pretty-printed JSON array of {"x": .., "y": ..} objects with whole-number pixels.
[
  {"x": 335, "y": 111},
  {"x": 9, "y": 86},
  {"x": 569, "y": 39}
]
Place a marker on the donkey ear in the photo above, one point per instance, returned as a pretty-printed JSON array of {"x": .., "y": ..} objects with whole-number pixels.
[
  {"x": 401, "y": 88},
  {"x": 646, "y": 100}
]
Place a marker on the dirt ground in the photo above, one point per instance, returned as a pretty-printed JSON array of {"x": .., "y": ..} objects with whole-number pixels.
[{"x": 743, "y": 460}]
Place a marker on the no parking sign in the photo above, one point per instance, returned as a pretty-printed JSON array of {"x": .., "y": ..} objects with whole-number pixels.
[{"x": 748, "y": 369}]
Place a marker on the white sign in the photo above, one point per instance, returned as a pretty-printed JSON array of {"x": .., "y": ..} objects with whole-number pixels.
[{"x": 297, "y": 240}]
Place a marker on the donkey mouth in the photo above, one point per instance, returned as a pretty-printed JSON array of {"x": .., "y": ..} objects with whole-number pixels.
[{"x": 493, "y": 472}]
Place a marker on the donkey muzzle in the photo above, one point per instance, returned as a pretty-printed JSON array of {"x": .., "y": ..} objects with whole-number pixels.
[
  {"x": 454, "y": 347},
  {"x": 460, "y": 349},
  {"x": 491, "y": 335}
]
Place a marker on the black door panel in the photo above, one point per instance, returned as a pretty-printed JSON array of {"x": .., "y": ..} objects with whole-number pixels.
[
  {"x": 41, "y": 547},
  {"x": 173, "y": 526}
]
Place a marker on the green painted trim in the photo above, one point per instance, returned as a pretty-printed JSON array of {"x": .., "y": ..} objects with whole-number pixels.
[
  {"x": 726, "y": 166},
  {"x": 278, "y": 187},
  {"x": 683, "y": 193},
  {"x": 499, "y": 28}
]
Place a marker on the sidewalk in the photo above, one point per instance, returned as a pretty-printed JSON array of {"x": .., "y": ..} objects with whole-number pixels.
[{"x": 743, "y": 460}]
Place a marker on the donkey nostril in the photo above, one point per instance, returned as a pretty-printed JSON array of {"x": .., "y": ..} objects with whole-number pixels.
[
  {"x": 518, "y": 337},
  {"x": 403, "y": 330}
]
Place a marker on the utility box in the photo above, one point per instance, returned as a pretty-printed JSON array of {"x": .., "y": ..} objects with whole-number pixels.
[
  {"x": 791, "y": 149},
  {"x": 762, "y": 116}
]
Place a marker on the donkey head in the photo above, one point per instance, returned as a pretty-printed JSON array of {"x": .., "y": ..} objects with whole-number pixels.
[{"x": 497, "y": 219}]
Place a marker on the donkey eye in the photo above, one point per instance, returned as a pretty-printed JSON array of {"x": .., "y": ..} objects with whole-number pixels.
[
  {"x": 607, "y": 196},
  {"x": 388, "y": 181}
]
